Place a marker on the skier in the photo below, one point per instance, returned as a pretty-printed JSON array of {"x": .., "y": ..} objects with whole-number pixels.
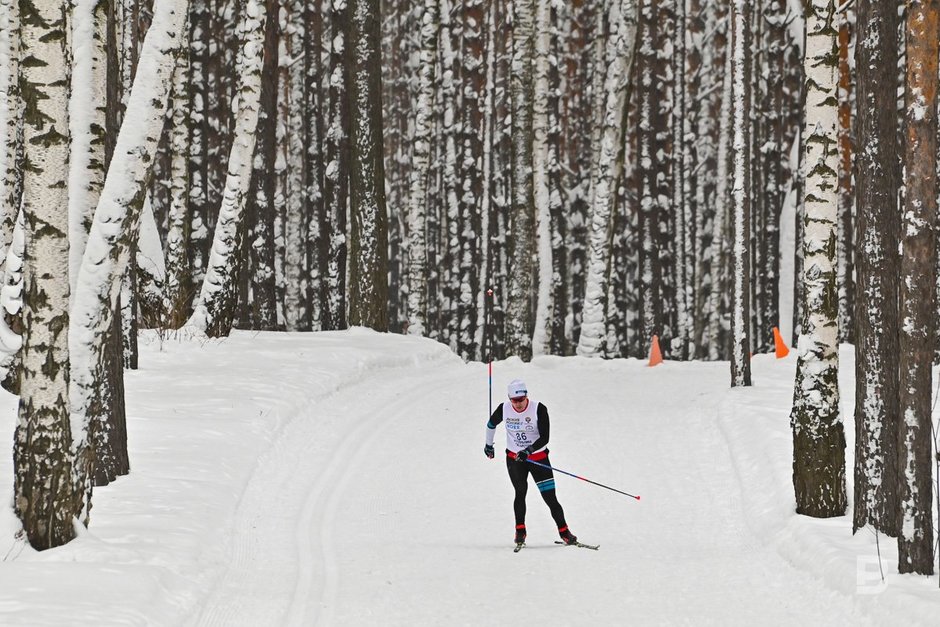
[{"x": 526, "y": 438}]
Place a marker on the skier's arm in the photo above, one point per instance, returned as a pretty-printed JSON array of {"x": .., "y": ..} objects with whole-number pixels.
[
  {"x": 542, "y": 442},
  {"x": 494, "y": 420}
]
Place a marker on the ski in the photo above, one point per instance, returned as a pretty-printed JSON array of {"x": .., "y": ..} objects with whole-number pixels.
[
  {"x": 593, "y": 547},
  {"x": 519, "y": 546}
]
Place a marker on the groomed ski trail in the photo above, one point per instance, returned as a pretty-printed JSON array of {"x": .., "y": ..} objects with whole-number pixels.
[{"x": 377, "y": 507}]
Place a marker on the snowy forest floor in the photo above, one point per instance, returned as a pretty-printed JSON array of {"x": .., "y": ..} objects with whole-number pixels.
[{"x": 339, "y": 479}]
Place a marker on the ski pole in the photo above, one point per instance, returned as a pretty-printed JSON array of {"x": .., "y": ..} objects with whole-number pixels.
[
  {"x": 571, "y": 474},
  {"x": 491, "y": 389}
]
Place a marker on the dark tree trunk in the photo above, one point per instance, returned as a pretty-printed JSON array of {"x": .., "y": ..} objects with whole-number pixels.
[
  {"x": 368, "y": 242},
  {"x": 877, "y": 266}
]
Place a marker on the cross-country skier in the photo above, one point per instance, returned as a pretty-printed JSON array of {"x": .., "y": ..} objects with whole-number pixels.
[{"x": 527, "y": 438}]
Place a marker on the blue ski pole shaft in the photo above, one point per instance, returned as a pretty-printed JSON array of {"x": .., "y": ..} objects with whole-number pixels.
[{"x": 571, "y": 474}]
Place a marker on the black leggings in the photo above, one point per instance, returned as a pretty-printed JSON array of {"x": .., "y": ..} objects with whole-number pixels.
[{"x": 544, "y": 480}]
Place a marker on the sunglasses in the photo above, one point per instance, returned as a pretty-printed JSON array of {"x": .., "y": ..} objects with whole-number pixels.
[{"x": 518, "y": 399}]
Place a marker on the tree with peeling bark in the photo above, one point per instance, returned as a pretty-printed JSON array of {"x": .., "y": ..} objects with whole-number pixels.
[
  {"x": 918, "y": 290},
  {"x": 818, "y": 436}
]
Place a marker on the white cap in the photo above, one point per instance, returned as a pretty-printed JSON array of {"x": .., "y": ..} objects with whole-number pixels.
[{"x": 517, "y": 388}]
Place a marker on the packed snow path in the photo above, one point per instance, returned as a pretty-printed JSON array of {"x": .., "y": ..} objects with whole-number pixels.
[
  {"x": 377, "y": 507},
  {"x": 339, "y": 479}
]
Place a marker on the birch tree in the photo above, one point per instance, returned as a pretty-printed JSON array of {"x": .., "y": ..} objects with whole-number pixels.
[
  {"x": 420, "y": 165},
  {"x": 44, "y": 492},
  {"x": 368, "y": 242},
  {"x": 11, "y": 126},
  {"x": 741, "y": 193},
  {"x": 215, "y": 309},
  {"x": 818, "y": 436},
  {"x": 544, "y": 306},
  {"x": 619, "y": 56},
  {"x": 877, "y": 266},
  {"x": 519, "y": 305},
  {"x": 114, "y": 227},
  {"x": 918, "y": 289},
  {"x": 93, "y": 112},
  {"x": 176, "y": 289}
]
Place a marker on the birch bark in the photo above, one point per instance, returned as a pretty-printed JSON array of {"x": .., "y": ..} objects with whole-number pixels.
[{"x": 818, "y": 436}]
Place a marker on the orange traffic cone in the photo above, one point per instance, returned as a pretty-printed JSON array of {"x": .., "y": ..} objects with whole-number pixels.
[
  {"x": 656, "y": 356},
  {"x": 780, "y": 348}
]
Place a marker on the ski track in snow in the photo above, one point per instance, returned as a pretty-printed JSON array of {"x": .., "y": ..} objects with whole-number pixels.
[
  {"x": 376, "y": 507},
  {"x": 286, "y": 514}
]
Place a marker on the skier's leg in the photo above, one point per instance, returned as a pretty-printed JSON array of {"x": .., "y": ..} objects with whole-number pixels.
[
  {"x": 518, "y": 474},
  {"x": 545, "y": 481}
]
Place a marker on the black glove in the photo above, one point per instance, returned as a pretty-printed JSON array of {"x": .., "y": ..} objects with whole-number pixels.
[
  {"x": 489, "y": 451},
  {"x": 523, "y": 455}
]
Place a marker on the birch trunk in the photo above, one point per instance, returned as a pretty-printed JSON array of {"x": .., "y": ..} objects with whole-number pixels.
[
  {"x": 215, "y": 309},
  {"x": 818, "y": 436},
  {"x": 541, "y": 336},
  {"x": 115, "y": 224},
  {"x": 176, "y": 289},
  {"x": 741, "y": 195},
  {"x": 420, "y": 160},
  {"x": 519, "y": 305},
  {"x": 11, "y": 126},
  {"x": 621, "y": 45},
  {"x": 44, "y": 492}
]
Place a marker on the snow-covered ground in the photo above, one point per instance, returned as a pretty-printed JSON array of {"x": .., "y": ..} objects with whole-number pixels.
[{"x": 339, "y": 479}]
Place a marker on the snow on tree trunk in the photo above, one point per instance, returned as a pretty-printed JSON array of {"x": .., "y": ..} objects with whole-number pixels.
[
  {"x": 296, "y": 196},
  {"x": 115, "y": 224},
  {"x": 177, "y": 285},
  {"x": 541, "y": 336},
  {"x": 917, "y": 295},
  {"x": 11, "y": 305},
  {"x": 741, "y": 194},
  {"x": 420, "y": 160},
  {"x": 87, "y": 126},
  {"x": 11, "y": 126},
  {"x": 818, "y": 436},
  {"x": 368, "y": 241},
  {"x": 260, "y": 209},
  {"x": 720, "y": 234},
  {"x": 44, "y": 493},
  {"x": 846, "y": 277},
  {"x": 878, "y": 223},
  {"x": 472, "y": 176},
  {"x": 333, "y": 227},
  {"x": 215, "y": 308},
  {"x": 522, "y": 268},
  {"x": 621, "y": 45}
]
